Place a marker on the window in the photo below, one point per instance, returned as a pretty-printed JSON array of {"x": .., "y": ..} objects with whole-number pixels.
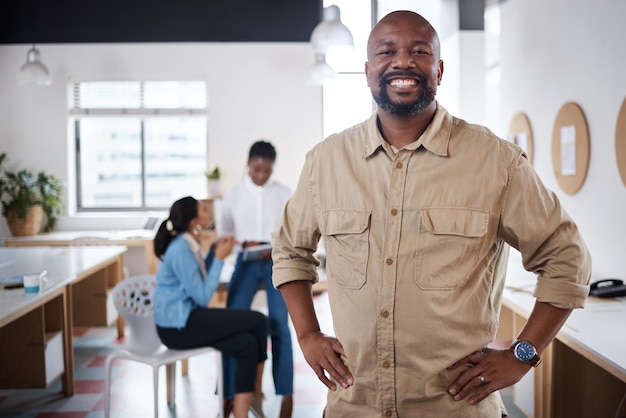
[
  {"x": 492, "y": 67},
  {"x": 347, "y": 99},
  {"x": 140, "y": 145}
]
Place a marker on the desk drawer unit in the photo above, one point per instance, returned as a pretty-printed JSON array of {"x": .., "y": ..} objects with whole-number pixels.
[{"x": 31, "y": 348}]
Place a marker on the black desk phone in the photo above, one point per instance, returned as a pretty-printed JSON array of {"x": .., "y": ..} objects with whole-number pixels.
[{"x": 608, "y": 288}]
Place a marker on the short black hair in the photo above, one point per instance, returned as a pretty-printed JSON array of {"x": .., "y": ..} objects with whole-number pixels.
[{"x": 262, "y": 149}]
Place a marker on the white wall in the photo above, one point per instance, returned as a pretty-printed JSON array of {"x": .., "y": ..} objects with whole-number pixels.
[
  {"x": 463, "y": 83},
  {"x": 256, "y": 90},
  {"x": 557, "y": 51}
]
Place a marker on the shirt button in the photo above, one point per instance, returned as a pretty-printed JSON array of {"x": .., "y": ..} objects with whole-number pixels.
[
  {"x": 389, "y": 261},
  {"x": 388, "y": 413},
  {"x": 386, "y": 364},
  {"x": 384, "y": 314},
  {"x": 394, "y": 212},
  {"x": 399, "y": 165}
]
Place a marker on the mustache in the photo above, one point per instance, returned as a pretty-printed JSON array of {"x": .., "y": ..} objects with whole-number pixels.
[{"x": 386, "y": 77}]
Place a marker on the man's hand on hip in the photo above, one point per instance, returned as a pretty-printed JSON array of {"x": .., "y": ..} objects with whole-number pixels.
[{"x": 324, "y": 355}]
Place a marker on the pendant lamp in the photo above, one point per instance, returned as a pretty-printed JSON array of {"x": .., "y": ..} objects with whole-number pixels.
[
  {"x": 330, "y": 33},
  {"x": 321, "y": 72},
  {"x": 34, "y": 71}
]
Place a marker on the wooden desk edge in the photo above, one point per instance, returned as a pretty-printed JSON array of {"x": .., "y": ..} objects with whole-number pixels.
[
  {"x": 45, "y": 297},
  {"x": 572, "y": 343}
]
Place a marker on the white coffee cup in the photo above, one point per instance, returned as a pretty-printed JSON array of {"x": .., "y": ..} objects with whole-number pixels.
[{"x": 31, "y": 283}]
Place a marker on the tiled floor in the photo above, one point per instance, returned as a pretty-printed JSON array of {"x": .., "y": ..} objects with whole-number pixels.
[{"x": 132, "y": 385}]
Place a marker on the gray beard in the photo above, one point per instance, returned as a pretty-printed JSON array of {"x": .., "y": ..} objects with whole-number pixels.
[{"x": 403, "y": 109}]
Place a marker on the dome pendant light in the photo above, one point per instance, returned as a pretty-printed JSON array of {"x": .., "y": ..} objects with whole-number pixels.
[
  {"x": 330, "y": 33},
  {"x": 34, "y": 71},
  {"x": 321, "y": 72}
]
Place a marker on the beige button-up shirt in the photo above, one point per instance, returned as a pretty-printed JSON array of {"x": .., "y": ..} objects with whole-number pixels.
[{"x": 416, "y": 246}]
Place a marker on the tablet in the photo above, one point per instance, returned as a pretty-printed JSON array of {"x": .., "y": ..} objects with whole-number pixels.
[
  {"x": 10, "y": 282},
  {"x": 17, "y": 280},
  {"x": 255, "y": 252}
]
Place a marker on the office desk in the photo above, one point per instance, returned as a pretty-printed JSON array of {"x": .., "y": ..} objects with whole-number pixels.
[
  {"x": 36, "y": 329},
  {"x": 142, "y": 239},
  {"x": 583, "y": 373}
]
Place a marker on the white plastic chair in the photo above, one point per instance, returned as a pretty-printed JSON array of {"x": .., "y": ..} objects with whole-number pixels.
[{"x": 133, "y": 299}]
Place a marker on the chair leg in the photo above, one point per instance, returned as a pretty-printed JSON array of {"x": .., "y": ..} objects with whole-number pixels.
[
  {"x": 107, "y": 386},
  {"x": 184, "y": 367},
  {"x": 220, "y": 384},
  {"x": 120, "y": 326},
  {"x": 170, "y": 378},
  {"x": 155, "y": 380}
]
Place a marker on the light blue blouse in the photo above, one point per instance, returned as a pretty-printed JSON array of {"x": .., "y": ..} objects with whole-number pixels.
[{"x": 180, "y": 283}]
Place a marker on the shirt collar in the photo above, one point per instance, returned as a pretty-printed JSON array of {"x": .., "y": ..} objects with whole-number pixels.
[
  {"x": 435, "y": 138},
  {"x": 193, "y": 244},
  {"x": 197, "y": 251}
]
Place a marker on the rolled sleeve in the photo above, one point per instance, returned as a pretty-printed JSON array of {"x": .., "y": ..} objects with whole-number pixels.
[
  {"x": 563, "y": 294},
  {"x": 551, "y": 245}
]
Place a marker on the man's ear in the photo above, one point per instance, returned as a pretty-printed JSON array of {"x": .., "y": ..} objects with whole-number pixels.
[
  {"x": 367, "y": 70},
  {"x": 439, "y": 72}
]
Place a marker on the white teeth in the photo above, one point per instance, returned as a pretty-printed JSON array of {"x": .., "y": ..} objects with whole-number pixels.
[{"x": 402, "y": 83}]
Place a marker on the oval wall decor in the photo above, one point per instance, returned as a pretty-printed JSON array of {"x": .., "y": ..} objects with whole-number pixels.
[
  {"x": 521, "y": 134},
  {"x": 570, "y": 148},
  {"x": 620, "y": 142}
]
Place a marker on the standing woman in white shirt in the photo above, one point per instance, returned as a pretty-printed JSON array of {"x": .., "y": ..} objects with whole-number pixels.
[{"x": 251, "y": 211}]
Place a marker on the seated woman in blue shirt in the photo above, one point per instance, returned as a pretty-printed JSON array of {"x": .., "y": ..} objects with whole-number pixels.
[{"x": 186, "y": 280}]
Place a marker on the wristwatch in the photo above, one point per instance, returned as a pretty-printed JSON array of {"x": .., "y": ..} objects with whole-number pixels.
[{"x": 526, "y": 352}]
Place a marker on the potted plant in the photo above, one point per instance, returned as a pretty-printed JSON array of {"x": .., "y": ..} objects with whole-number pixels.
[
  {"x": 213, "y": 181},
  {"x": 25, "y": 198}
]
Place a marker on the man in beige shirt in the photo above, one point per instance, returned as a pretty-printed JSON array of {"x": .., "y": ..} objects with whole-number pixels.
[{"x": 417, "y": 210}]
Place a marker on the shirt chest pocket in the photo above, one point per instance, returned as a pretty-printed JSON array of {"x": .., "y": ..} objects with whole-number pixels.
[
  {"x": 346, "y": 234},
  {"x": 448, "y": 246}
]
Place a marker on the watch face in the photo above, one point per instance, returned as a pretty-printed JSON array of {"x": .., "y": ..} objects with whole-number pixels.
[{"x": 524, "y": 351}]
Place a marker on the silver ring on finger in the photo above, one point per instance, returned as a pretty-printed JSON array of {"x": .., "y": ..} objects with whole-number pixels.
[{"x": 481, "y": 380}]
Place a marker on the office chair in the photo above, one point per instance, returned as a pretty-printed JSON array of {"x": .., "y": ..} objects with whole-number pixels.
[{"x": 133, "y": 299}]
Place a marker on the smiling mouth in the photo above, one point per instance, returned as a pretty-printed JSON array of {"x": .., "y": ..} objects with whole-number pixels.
[{"x": 403, "y": 83}]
